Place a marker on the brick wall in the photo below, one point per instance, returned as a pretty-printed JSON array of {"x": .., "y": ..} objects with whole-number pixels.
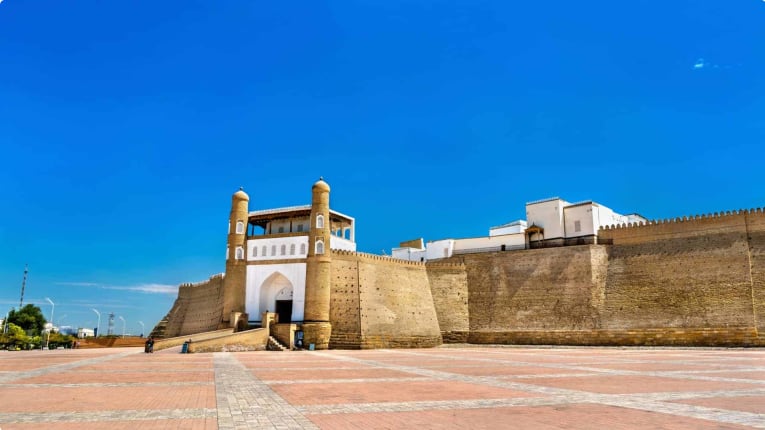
[
  {"x": 540, "y": 289},
  {"x": 391, "y": 298},
  {"x": 449, "y": 288},
  {"x": 198, "y": 308}
]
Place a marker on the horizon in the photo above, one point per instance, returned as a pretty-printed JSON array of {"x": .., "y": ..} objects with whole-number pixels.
[{"x": 125, "y": 133}]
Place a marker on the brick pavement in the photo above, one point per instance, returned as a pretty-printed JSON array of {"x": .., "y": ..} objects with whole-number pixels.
[{"x": 450, "y": 387}]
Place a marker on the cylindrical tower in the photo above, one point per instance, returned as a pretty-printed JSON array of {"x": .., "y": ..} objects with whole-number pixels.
[
  {"x": 316, "y": 326},
  {"x": 234, "y": 288}
]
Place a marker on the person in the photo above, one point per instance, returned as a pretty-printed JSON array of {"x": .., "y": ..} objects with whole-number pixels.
[{"x": 149, "y": 345}]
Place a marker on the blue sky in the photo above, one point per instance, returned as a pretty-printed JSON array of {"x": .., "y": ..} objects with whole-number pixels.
[{"x": 126, "y": 126}]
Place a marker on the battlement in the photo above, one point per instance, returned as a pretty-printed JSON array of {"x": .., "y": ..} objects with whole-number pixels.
[
  {"x": 202, "y": 283},
  {"x": 445, "y": 265},
  {"x": 683, "y": 226},
  {"x": 691, "y": 218},
  {"x": 375, "y": 257}
]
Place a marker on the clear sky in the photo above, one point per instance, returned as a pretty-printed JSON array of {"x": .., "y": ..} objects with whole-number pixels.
[{"x": 126, "y": 126}]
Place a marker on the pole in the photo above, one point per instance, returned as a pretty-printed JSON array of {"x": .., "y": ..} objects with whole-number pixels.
[
  {"x": 52, "y": 309},
  {"x": 143, "y": 328},
  {"x": 23, "y": 284},
  {"x": 123, "y": 325},
  {"x": 98, "y": 327}
]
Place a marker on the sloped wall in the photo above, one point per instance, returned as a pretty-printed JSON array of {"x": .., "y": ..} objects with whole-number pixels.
[
  {"x": 197, "y": 309},
  {"x": 449, "y": 288},
  {"x": 395, "y": 307}
]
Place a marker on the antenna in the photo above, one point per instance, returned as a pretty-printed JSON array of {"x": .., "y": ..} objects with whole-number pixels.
[{"x": 23, "y": 285}]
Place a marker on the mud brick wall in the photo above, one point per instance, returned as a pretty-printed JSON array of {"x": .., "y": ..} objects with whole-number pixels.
[
  {"x": 699, "y": 272},
  {"x": 198, "y": 308},
  {"x": 541, "y": 289},
  {"x": 449, "y": 288},
  {"x": 344, "y": 311},
  {"x": 395, "y": 307}
]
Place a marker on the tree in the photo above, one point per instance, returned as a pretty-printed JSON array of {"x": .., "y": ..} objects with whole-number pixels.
[
  {"x": 15, "y": 336},
  {"x": 30, "y": 318}
]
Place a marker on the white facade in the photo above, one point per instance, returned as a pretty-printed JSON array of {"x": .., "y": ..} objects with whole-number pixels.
[
  {"x": 267, "y": 283},
  {"x": 504, "y": 242},
  {"x": 85, "y": 332},
  {"x": 514, "y": 227},
  {"x": 547, "y": 214},
  {"x": 277, "y": 248},
  {"x": 342, "y": 244}
]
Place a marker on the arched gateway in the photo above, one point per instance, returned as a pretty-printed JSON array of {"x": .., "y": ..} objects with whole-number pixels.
[{"x": 276, "y": 296}]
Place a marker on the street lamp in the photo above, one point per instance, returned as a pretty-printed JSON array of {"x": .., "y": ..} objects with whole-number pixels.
[
  {"x": 52, "y": 309},
  {"x": 143, "y": 328},
  {"x": 98, "y": 327},
  {"x": 123, "y": 325}
]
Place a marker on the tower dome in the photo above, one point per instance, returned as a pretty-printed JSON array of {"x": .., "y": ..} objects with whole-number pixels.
[
  {"x": 320, "y": 185},
  {"x": 241, "y": 195}
]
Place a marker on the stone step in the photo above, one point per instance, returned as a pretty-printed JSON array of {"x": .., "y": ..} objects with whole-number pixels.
[{"x": 275, "y": 345}]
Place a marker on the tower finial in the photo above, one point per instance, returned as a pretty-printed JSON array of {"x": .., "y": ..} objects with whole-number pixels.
[
  {"x": 321, "y": 178},
  {"x": 241, "y": 188}
]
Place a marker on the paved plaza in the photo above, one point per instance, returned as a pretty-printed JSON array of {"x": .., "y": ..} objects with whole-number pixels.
[{"x": 464, "y": 387}]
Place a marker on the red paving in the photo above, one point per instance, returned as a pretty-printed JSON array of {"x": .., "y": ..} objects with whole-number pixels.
[
  {"x": 753, "y": 404},
  {"x": 629, "y": 384},
  {"x": 537, "y": 418},
  {"x": 315, "y": 394},
  {"x": 62, "y": 399},
  {"x": 470, "y": 378}
]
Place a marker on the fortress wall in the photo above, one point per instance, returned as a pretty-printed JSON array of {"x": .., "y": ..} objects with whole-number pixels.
[
  {"x": 756, "y": 234},
  {"x": 395, "y": 306},
  {"x": 449, "y": 288},
  {"x": 197, "y": 309},
  {"x": 680, "y": 275},
  {"x": 344, "y": 311},
  {"x": 535, "y": 291}
]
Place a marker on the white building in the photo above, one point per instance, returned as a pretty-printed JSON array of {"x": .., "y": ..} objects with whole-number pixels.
[
  {"x": 549, "y": 222},
  {"x": 85, "y": 332},
  {"x": 277, "y": 248}
]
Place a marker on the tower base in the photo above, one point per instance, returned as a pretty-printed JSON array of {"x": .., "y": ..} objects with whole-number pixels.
[{"x": 317, "y": 333}]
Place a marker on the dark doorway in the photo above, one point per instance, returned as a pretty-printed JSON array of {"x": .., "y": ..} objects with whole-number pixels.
[{"x": 284, "y": 309}]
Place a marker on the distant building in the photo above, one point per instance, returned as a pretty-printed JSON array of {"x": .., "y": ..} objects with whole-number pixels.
[
  {"x": 549, "y": 223},
  {"x": 85, "y": 332}
]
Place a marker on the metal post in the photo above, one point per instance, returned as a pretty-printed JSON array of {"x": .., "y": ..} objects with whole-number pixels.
[
  {"x": 52, "y": 309},
  {"x": 123, "y": 325},
  {"x": 98, "y": 327},
  {"x": 143, "y": 327}
]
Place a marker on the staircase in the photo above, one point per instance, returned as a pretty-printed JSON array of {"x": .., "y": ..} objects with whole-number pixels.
[{"x": 274, "y": 345}]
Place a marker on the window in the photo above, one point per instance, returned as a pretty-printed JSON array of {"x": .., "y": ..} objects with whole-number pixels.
[
  {"x": 254, "y": 251},
  {"x": 302, "y": 249},
  {"x": 300, "y": 227},
  {"x": 319, "y": 247},
  {"x": 273, "y": 250},
  {"x": 319, "y": 221},
  {"x": 281, "y": 229},
  {"x": 577, "y": 226},
  {"x": 239, "y": 253},
  {"x": 239, "y": 227},
  {"x": 264, "y": 251},
  {"x": 284, "y": 250},
  {"x": 292, "y": 249},
  {"x": 227, "y": 253}
]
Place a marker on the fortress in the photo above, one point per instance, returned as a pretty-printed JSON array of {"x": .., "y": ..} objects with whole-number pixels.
[{"x": 571, "y": 274}]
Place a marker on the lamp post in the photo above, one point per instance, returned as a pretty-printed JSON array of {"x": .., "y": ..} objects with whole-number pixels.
[
  {"x": 52, "y": 309},
  {"x": 98, "y": 326},
  {"x": 123, "y": 325},
  {"x": 143, "y": 328}
]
